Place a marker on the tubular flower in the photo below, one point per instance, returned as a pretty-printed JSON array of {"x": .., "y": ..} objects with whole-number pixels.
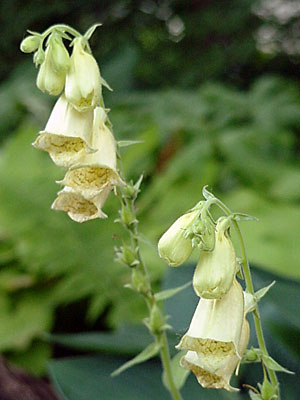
[
  {"x": 173, "y": 246},
  {"x": 216, "y": 269},
  {"x": 67, "y": 135},
  {"x": 83, "y": 82},
  {"x": 78, "y": 208},
  {"x": 48, "y": 79},
  {"x": 215, "y": 330},
  {"x": 97, "y": 170},
  {"x": 220, "y": 378}
]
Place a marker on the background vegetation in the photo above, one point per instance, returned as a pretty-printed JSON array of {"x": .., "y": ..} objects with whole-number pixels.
[{"x": 211, "y": 87}]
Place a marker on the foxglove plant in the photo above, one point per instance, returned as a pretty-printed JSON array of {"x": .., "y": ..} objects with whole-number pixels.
[{"x": 78, "y": 136}]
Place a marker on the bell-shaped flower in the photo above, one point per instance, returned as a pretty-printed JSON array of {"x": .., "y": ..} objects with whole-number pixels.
[
  {"x": 83, "y": 82},
  {"x": 216, "y": 269},
  {"x": 68, "y": 134},
  {"x": 215, "y": 330},
  {"x": 174, "y": 246},
  {"x": 78, "y": 208},
  {"x": 48, "y": 79},
  {"x": 97, "y": 170},
  {"x": 220, "y": 378}
]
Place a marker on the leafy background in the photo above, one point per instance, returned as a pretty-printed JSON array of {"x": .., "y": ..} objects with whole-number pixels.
[{"x": 215, "y": 102}]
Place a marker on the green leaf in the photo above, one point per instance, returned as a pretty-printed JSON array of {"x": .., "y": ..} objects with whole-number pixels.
[
  {"x": 179, "y": 374},
  {"x": 272, "y": 364},
  {"x": 125, "y": 143},
  {"x": 263, "y": 291},
  {"x": 166, "y": 294},
  {"x": 88, "y": 378},
  {"x": 149, "y": 352},
  {"x": 122, "y": 341}
]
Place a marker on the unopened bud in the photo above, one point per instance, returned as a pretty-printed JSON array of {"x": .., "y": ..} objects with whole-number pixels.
[
  {"x": 30, "y": 44},
  {"x": 39, "y": 57},
  {"x": 216, "y": 269},
  {"x": 139, "y": 282},
  {"x": 157, "y": 319},
  {"x": 127, "y": 217},
  {"x": 59, "y": 54},
  {"x": 173, "y": 246}
]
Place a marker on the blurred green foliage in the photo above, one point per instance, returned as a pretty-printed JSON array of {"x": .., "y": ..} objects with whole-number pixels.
[{"x": 187, "y": 79}]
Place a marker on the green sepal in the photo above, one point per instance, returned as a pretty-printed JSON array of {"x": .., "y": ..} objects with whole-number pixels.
[
  {"x": 88, "y": 34},
  {"x": 254, "y": 396},
  {"x": 263, "y": 291},
  {"x": 243, "y": 217},
  {"x": 206, "y": 194},
  {"x": 268, "y": 392},
  {"x": 179, "y": 374},
  {"x": 125, "y": 143},
  {"x": 272, "y": 364},
  {"x": 149, "y": 352},
  {"x": 104, "y": 83},
  {"x": 166, "y": 294}
]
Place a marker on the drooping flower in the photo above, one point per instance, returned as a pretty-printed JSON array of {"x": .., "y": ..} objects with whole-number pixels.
[
  {"x": 97, "y": 170},
  {"x": 216, "y": 269},
  {"x": 78, "y": 208},
  {"x": 215, "y": 330},
  {"x": 220, "y": 378},
  {"x": 173, "y": 246},
  {"x": 83, "y": 81},
  {"x": 68, "y": 134},
  {"x": 48, "y": 79}
]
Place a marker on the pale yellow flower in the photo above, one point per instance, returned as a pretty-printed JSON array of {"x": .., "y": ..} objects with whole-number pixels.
[
  {"x": 173, "y": 246},
  {"x": 220, "y": 378},
  {"x": 78, "y": 208},
  {"x": 98, "y": 170},
  {"x": 215, "y": 330},
  {"x": 49, "y": 80},
  {"x": 68, "y": 134},
  {"x": 83, "y": 82},
  {"x": 216, "y": 269}
]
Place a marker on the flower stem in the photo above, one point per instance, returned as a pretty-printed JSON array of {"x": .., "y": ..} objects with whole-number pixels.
[
  {"x": 250, "y": 289},
  {"x": 63, "y": 28},
  {"x": 159, "y": 335}
]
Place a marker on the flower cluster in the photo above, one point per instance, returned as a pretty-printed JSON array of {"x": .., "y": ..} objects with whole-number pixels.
[
  {"x": 219, "y": 331},
  {"x": 77, "y": 135}
]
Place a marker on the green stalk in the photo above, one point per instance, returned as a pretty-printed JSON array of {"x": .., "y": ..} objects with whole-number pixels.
[
  {"x": 250, "y": 289},
  {"x": 61, "y": 27},
  {"x": 160, "y": 336}
]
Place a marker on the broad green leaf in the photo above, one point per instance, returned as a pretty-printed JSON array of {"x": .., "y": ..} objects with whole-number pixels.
[
  {"x": 149, "y": 352},
  {"x": 180, "y": 374},
  {"x": 126, "y": 340},
  {"x": 166, "y": 294}
]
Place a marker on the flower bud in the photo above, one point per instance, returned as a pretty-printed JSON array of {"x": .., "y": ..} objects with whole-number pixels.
[
  {"x": 39, "y": 57},
  {"x": 157, "y": 319},
  {"x": 60, "y": 55},
  {"x": 216, "y": 269},
  {"x": 139, "y": 282},
  {"x": 48, "y": 80},
  {"x": 83, "y": 82},
  {"x": 30, "y": 44},
  {"x": 173, "y": 246}
]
